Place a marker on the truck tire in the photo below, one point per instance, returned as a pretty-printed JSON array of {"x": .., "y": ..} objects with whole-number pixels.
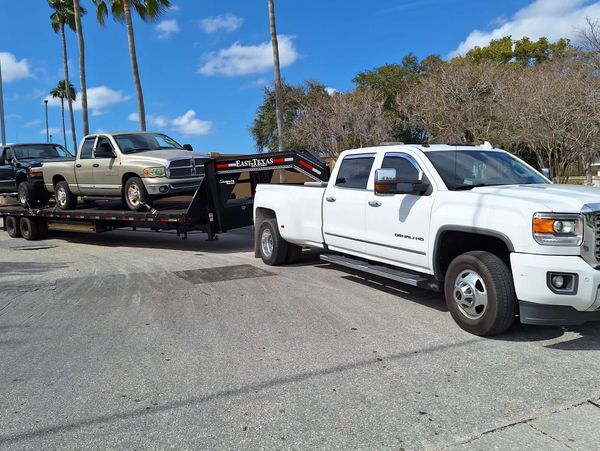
[
  {"x": 26, "y": 195},
  {"x": 12, "y": 227},
  {"x": 272, "y": 247},
  {"x": 135, "y": 195},
  {"x": 480, "y": 293},
  {"x": 65, "y": 199},
  {"x": 29, "y": 229}
]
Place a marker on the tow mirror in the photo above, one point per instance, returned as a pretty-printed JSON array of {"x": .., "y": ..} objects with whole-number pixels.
[
  {"x": 188, "y": 147},
  {"x": 547, "y": 172},
  {"x": 388, "y": 182}
]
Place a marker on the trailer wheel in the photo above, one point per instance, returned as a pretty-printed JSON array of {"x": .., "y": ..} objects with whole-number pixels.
[
  {"x": 29, "y": 229},
  {"x": 272, "y": 247},
  {"x": 12, "y": 227},
  {"x": 65, "y": 199},
  {"x": 480, "y": 293},
  {"x": 42, "y": 226},
  {"x": 26, "y": 195},
  {"x": 135, "y": 195}
]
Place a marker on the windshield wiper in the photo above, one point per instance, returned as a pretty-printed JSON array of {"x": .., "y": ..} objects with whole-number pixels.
[{"x": 477, "y": 185}]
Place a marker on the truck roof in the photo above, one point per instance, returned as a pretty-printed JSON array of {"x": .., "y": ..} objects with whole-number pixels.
[
  {"x": 423, "y": 148},
  {"x": 132, "y": 132}
]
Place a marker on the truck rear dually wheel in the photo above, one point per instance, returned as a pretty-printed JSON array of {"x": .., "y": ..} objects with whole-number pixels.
[
  {"x": 480, "y": 293},
  {"x": 272, "y": 247}
]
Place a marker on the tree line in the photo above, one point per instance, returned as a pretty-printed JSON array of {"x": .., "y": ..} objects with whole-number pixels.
[{"x": 535, "y": 98}]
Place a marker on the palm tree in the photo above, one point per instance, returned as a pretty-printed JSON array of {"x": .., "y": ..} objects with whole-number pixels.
[
  {"x": 59, "y": 92},
  {"x": 81, "y": 46},
  {"x": 149, "y": 11},
  {"x": 63, "y": 15},
  {"x": 278, "y": 89}
]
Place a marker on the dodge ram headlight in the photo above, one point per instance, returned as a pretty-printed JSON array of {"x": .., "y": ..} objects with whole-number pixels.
[
  {"x": 554, "y": 229},
  {"x": 155, "y": 172}
]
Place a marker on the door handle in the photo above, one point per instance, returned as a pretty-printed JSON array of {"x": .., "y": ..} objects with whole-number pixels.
[
  {"x": 77, "y": 165},
  {"x": 330, "y": 199},
  {"x": 375, "y": 203},
  {"x": 96, "y": 165}
]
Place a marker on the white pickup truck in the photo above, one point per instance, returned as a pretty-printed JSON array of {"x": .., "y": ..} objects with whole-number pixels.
[{"x": 497, "y": 236}]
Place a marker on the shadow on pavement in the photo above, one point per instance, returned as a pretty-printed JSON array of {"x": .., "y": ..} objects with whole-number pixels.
[
  {"x": 226, "y": 393},
  {"x": 588, "y": 340},
  {"x": 28, "y": 268}
]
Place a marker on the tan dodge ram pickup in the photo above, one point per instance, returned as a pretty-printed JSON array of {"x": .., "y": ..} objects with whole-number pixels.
[{"x": 136, "y": 166}]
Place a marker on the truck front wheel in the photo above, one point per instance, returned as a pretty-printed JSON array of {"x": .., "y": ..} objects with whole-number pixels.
[
  {"x": 26, "y": 195},
  {"x": 272, "y": 247},
  {"x": 135, "y": 194},
  {"x": 65, "y": 199},
  {"x": 480, "y": 293}
]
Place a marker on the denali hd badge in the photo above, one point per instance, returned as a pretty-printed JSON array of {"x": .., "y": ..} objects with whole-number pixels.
[{"x": 409, "y": 237}]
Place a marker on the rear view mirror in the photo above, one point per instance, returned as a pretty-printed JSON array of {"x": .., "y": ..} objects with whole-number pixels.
[
  {"x": 188, "y": 147},
  {"x": 388, "y": 182}
]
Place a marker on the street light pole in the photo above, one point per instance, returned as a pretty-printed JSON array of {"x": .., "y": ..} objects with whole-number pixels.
[
  {"x": 2, "y": 124},
  {"x": 47, "y": 131}
]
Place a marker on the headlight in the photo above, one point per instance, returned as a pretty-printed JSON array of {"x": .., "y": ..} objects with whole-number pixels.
[
  {"x": 555, "y": 229},
  {"x": 154, "y": 172}
]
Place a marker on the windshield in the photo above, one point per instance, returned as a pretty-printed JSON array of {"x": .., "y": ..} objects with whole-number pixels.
[
  {"x": 467, "y": 169},
  {"x": 135, "y": 142},
  {"x": 40, "y": 151}
]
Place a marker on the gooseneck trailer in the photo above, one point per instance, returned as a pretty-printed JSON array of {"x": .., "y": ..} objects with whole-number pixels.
[{"x": 213, "y": 208}]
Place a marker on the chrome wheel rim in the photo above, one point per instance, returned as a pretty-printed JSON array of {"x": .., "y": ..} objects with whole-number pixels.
[
  {"x": 23, "y": 197},
  {"x": 133, "y": 195},
  {"x": 266, "y": 243},
  {"x": 470, "y": 294},
  {"x": 61, "y": 196}
]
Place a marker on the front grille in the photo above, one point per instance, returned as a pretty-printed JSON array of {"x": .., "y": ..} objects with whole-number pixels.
[
  {"x": 179, "y": 169},
  {"x": 597, "y": 237}
]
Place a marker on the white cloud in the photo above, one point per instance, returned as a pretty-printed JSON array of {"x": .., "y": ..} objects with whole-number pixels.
[
  {"x": 331, "y": 91},
  {"x": 224, "y": 22},
  {"x": 167, "y": 28},
  {"x": 99, "y": 98},
  {"x": 175, "y": 8},
  {"x": 34, "y": 123},
  {"x": 553, "y": 19},
  {"x": 252, "y": 59},
  {"x": 54, "y": 132},
  {"x": 13, "y": 69},
  {"x": 188, "y": 124}
]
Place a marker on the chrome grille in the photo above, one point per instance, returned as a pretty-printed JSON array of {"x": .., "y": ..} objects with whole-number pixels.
[{"x": 179, "y": 169}]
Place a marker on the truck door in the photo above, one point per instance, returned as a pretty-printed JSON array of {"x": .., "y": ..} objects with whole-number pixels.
[
  {"x": 84, "y": 168},
  {"x": 345, "y": 204},
  {"x": 8, "y": 183},
  {"x": 107, "y": 175},
  {"x": 397, "y": 225}
]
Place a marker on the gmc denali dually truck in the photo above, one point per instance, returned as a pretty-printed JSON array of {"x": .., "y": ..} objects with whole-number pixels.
[
  {"x": 138, "y": 167},
  {"x": 495, "y": 235}
]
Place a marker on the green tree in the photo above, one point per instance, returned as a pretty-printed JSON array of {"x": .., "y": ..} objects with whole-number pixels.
[
  {"x": 77, "y": 10},
  {"x": 62, "y": 16},
  {"x": 121, "y": 11},
  {"x": 523, "y": 52},
  {"x": 59, "y": 92}
]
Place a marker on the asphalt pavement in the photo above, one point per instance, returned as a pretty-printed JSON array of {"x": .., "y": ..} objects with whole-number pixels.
[{"x": 139, "y": 340}]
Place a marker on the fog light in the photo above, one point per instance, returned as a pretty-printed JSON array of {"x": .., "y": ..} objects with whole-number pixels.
[
  {"x": 163, "y": 189},
  {"x": 558, "y": 282}
]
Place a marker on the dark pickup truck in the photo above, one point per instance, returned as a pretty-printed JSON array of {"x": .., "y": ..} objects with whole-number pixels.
[{"x": 18, "y": 177}]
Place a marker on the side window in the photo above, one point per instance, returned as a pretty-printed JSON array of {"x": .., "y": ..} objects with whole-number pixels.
[
  {"x": 354, "y": 172},
  {"x": 104, "y": 140},
  {"x": 86, "y": 150},
  {"x": 402, "y": 164},
  {"x": 8, "y": 156}
]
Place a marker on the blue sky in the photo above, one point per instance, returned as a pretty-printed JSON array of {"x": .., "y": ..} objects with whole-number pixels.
[{"x": 203, "y": 64}]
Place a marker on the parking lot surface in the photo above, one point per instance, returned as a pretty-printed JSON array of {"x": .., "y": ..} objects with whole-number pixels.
[{"x": 138, "y": 340}]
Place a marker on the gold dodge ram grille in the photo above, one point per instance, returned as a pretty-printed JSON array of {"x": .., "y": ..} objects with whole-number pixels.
[{"x": 180, "y": 169}]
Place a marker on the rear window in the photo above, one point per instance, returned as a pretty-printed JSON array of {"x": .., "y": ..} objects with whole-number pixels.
[
  {"x": 86, "y": 149},
  {"x": 354, "y": 172}
]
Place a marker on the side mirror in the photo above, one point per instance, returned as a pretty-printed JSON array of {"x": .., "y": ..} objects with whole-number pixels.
[
  {"x": 104, "y": 151},
  {"x": 388, "y": 182},
  {"x": 547, "y": 172},
  {"x": 188, "y": 147}
]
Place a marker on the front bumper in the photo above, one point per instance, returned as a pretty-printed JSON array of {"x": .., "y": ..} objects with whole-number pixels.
[
  {"x": 538, "y": 304},
  {"x": 162, "y": 186}
]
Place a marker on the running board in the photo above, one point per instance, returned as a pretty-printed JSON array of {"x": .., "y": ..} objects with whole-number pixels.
[{"x": 409, "y": 278}]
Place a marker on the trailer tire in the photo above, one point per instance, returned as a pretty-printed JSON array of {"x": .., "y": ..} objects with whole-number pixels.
[
  {"x": 480, "y": 293},
  {"x": 272, "y": 247},
  {"x": 135, "y": 195},
  {"x": 26, "y": 195},
  {"x": 42, "y": 226},
  {"x": 293, "y": 254},
  {"x": 12, "y": 227},
  {"x": 29, "y": 229},
  {"x": 65, "y": 199}
]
